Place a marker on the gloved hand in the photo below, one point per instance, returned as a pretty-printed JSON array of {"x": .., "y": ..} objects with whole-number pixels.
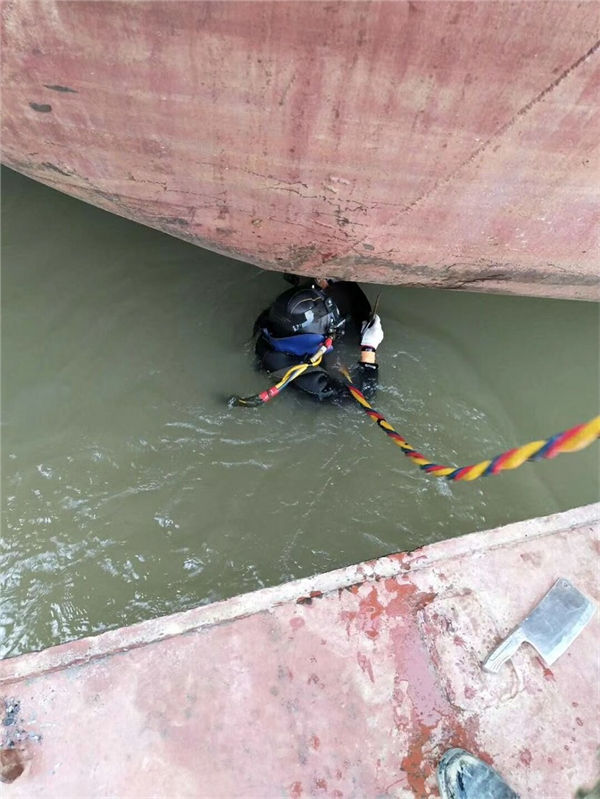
[{"x": 371, "y": 333}]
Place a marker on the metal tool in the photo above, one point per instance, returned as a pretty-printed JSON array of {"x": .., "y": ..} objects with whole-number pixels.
[
  {"x": 375, "y": 307},
  {"x": 550, "y": 628}
]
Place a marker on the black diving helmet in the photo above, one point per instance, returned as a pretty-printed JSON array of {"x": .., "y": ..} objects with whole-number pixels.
[{"x": 305, "y": 310}]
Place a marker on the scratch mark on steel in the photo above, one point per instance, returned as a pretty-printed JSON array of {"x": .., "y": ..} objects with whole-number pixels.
[
  {"x": 56, "y": 88},
  {"x": 496, "y": 135},
  {"x": 477, "y": 279},
  {"x": 55, "y": 168},
  {"x": 287, "y": 88},
  {"x": 503, "y": 128}
]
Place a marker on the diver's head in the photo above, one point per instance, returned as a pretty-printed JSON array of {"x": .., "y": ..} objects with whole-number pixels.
[{"x": 304, "y": 310}]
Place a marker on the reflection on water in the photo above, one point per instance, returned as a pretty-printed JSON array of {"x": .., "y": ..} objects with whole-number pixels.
[{"x": 130, "y": 489}]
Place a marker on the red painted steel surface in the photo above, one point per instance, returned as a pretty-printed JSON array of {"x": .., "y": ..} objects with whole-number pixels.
[
  {"x": 450, "y": 144},
  {"x": 349, "y": 684}
]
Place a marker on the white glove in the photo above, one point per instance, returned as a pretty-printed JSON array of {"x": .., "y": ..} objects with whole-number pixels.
[{"x": 371, "y": 333}]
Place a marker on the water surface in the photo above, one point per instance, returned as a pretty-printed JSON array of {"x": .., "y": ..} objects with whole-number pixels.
[{"x": 130, "y": 489}]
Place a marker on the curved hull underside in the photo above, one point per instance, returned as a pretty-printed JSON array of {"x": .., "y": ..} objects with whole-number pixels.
[{"x": 443, "y": 144}]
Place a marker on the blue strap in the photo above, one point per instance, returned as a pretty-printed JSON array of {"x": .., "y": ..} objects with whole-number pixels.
[{"x": 302, "y": 345}]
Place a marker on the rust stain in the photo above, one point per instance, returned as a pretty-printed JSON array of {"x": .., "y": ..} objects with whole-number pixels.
[
  {"x": 296, "y": 790},
  {"x": 369, "y": 614},
  {"x": 416, "y": 683},
  {"x": 365, "y": 665},
  {"x": 348, "y": 617},
  {"x": 535, "y": 558},
  {"x": 11, "y": 765},
  {"x": 548, "y": 673},
  {"x": 525, "y": 757},
  {"x": 285, "y": 673},
  {"x": 433, "y": 722},
  {"x": 15, "y": 740},
  {"x": 415, "y": 765},
  {"x": 402, "y": 602},
  {"x": 307, "y": 600},
  {"x": 402, "y": 558},
  {"x": 353, "y": 589},
  {"x": 408, "y": 598}
]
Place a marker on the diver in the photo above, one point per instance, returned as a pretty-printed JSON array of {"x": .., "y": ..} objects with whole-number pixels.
[{"x": 309, "y": 315}]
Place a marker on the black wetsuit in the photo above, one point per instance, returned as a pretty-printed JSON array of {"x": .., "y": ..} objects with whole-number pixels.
[{"x": 325, "y": 382}]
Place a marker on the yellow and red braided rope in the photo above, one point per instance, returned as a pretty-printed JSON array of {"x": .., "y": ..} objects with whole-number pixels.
[{"x": 571, "y": 440}]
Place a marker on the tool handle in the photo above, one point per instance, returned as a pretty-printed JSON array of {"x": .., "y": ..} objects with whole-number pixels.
[
  {"x": 504, "y": 651},
  {"x": 375, "y": 307}
]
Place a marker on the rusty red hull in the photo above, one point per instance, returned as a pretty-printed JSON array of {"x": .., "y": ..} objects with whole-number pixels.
[
  {"x": 447, "y": 144},
  {"x": 350, "y": 684}
]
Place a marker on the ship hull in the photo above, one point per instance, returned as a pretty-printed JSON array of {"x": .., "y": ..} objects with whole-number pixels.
[{"x": 442, "y": 144}]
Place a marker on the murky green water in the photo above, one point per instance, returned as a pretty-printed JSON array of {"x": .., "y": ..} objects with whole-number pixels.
[{"x": 130, "y": 489}]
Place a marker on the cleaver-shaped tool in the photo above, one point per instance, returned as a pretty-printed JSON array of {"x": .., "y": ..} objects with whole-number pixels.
[{"x": 551, "y": 627}]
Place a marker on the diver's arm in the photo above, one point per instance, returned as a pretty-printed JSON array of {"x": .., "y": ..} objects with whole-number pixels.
[
  {"x": 364, "y": 377},
  {"x": 367, "y": 369}
]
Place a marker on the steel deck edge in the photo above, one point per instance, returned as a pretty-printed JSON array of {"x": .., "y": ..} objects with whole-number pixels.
[{"x": 263, "y": 600}]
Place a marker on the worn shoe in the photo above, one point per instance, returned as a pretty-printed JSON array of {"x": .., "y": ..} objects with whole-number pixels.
[{"x": 461, "y": 775}]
